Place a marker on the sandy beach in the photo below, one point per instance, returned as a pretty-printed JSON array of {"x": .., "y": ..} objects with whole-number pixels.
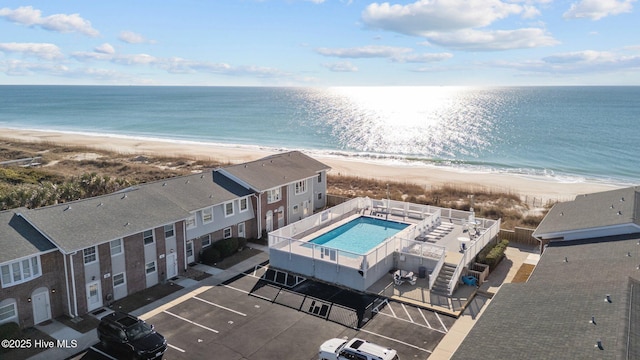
[{"x": 427, "y": 176}]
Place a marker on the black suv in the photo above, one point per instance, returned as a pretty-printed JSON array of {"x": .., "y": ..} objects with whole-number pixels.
[{"x": 128, "y": 335}]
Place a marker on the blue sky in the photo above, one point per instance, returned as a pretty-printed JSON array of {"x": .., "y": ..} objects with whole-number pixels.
[{"x": 320, "y": 42}]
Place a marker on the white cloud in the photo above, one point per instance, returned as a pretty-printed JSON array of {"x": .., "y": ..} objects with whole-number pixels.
[
  {"x": 343, "y": 66},
  {"x": 133, "y": 38},
  {"x": 63, "y": 23},
  {"x": 425, "y": 16},
  {"x": 105, "y": 48},
  {"x": 474, "y": 40},
  {"x": 578, "y": 62},
  {"x": 586, "y": 56},
  {"x": 457, "y": 24},
  {"x": 598, "y": 9},
  {"x": 372, "y": 51},
  {"x": 422, "y": 58},
  {"x": 40, "y": 50}
]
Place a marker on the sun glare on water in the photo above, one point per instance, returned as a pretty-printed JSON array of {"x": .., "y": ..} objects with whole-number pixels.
[{"x": 421, "y": 121}]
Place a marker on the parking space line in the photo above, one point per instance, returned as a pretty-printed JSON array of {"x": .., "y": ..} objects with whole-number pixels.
[
  {"x": 247, "y": 292},
  {"x": 407, "y": 312},
  {"x": 443, "y": 325},
  {"x": 415, "y": 323},
  {"x": 102, "y": 353},
  {"x": 191, "y": 322},
  {"x": 393, "y": 313},
  {"x": 398, "y": 341},
  {"x": 175, "y": 347},
  {"x": 424, "y": 317},
  {"x": 220, "y": 306}
]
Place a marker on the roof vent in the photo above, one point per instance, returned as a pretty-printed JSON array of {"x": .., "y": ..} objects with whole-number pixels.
[
  {"x": 211, "y": 196},
  {"x": 619, "y": 212},
  {"x": 611, "y": 207},
  {"x": 607, "y": 298},
  {"x": 245, "y": 166},
  {"x": 186, "y": 182},
  {"x": 202, "y": 176},
  {"x": 622, "y": 199},
  {"x": 562, "y": 213},
  {"x": 67, "y": 208},
  {"x": 599, "y": 344},
  {"x": 164, "y": 184},
  {"x": 593, "y": 320},
  {"x": 566, "y": 259},
  {"x": 124, "y": 196},
  {"x": 100, "y": 204},
  {"x": 127, "y": 224},
  {"x": 629, "y": 253}
]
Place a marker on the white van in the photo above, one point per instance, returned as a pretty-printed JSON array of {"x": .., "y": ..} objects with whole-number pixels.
[{"x": 355, "y": 349}]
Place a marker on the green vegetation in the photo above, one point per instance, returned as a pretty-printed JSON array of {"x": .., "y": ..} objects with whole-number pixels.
[
  {"x": 491, "y": 255},
  {"x": 222, "y": 249},
  {"x": 33, "y": 188},
  {"x": 487, "y": 203}
]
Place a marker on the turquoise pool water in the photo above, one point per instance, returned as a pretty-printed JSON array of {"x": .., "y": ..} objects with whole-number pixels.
[{"x": 359, "y": 235}]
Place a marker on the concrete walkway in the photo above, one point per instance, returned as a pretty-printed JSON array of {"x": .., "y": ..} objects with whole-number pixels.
[{"x": 516, "y": 255}]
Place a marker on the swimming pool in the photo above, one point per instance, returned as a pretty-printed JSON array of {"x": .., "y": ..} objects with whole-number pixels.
[{"x": 359, "y": 235}]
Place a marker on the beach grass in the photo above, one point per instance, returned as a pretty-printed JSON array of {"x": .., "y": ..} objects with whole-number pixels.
[{"x": 66, "y": 164}]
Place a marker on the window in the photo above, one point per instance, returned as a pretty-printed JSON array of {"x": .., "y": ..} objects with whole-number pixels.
[
  {"x": 206, "y": 240},
  {"x": 301, "y": 187},
  {"x": 90, "y": 255},
  {"x": 273, "y": 195},
  {"x": 295, "y": 209},
  {"x": 320, "y": 177},
  {"x": 20, "y": 271},
  {"x": 228, "y": 209},
  {"x": 116, "y": 247},
  {"x": 227, "y": 233},
  {"x": 169, "y": 231},
  {"x": 118, "y": 279},
  {"x": 244, "y": 204},
  {"x": 191, "y": 222},
  {"x": 207, "y": 215},
  {"x": 150, "y": 267},
  {"x": 319, "y": 196},
  {"x": 147, "y": 237},
  {"x": 8, "y": 310}
]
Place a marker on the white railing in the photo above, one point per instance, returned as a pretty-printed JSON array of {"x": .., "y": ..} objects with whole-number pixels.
[
  {"x": 284, "y": 238},
  {"x": 472, "y": 250},
  {"x": 319, "y": 252},
  {"x": 324, "y": 218},
  {"x": 435, "y": 272}
]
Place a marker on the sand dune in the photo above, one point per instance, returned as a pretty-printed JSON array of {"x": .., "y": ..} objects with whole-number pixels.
[{"x": 427, "y": 176}]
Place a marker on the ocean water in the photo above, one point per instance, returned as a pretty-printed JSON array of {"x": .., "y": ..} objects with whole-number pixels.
[{"x": 567, "y": 134}]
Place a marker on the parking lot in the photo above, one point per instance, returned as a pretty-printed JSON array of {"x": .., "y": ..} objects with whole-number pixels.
[{"x": 285, "y": 317}]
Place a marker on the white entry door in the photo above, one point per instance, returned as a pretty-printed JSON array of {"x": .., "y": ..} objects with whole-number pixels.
[
  {"x": 190, "y": 257},
  {"x": 241, "y": 233},
  {"x": 269, "y": 221},
  {"x": 41, "y": 308},
  {"x": 94, "y": 295},
  {"x": 172, "y": 265},
  {"x": 280, "y": 217}
]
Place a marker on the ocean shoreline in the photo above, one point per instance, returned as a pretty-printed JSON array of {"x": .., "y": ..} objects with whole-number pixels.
[{"x": 398, "y": 171}]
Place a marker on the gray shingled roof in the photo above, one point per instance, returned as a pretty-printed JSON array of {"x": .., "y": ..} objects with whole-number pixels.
[
  {"x": 275, "y": 170},
  {"x": 597, "y": 210},
  {"x": 194, "y": 192},
  {"x": 79, "y": 224},
  {"x": 19, "y": 239},
  {"x": 549, "y": 316}
]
